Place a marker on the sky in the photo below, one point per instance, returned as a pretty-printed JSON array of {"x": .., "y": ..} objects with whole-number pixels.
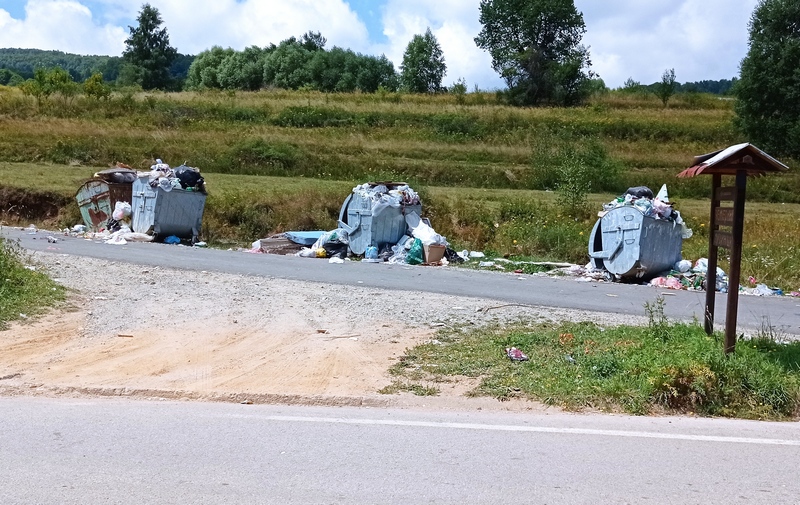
[{"x": 637, "y": 39}]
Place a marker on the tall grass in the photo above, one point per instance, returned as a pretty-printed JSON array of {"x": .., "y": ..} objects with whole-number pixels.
[{"x": 434, "y": 139}]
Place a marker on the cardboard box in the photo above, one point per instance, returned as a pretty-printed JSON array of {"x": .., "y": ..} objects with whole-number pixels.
[{"x": 434, "y": 253}]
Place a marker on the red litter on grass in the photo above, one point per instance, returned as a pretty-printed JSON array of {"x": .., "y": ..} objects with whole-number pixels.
[{"x": 515, "y": 354}]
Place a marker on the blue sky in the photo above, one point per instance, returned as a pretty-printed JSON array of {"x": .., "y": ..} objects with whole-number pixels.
[{"x": 700, "y": 39}]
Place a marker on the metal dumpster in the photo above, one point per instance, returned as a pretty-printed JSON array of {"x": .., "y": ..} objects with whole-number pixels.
[
  {"x": 163, "y": 213},
  {"x": 368, "y": 223},
  {"x": 97, "y": 198},
  {"x": 629, "y": 244}
]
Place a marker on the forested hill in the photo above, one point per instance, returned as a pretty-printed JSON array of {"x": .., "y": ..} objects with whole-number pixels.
[{"x": 25, "y": 61}]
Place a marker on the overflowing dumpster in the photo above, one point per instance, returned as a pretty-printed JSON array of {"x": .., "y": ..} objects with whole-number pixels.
[
  {"x": 165, "y": 211},
  {"x": 374, "y": 214},
  {"x": 638, "y": 235},
  {"x": 629, "y": 244}
]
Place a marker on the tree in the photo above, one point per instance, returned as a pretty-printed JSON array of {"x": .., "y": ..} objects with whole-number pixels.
[
  {"x": 61, "y": 82},
  {"x": 768, "y": 90},
  {"x": 423, "y": 66},
  {"x": 204, "y": 72},
  {"x": 149, "y": 51},
  {"x": 242, "y": 70},
  {"x": 38, "y": 87},
  {"x": 95, "y": 87},
  {"x": 666, "y": 88},
  {"x": 535, "y": 47}
]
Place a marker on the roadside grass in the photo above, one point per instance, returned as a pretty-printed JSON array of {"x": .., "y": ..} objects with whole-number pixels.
[
  {"x": 665, "y": 367},
  {"x": 23, "y": 291}
]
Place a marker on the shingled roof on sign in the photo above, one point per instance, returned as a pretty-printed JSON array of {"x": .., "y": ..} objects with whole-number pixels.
[{"x": 729, "y": 161}]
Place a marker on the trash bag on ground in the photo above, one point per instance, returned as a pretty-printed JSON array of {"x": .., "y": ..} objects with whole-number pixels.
[{"x": 415, "y": 254}]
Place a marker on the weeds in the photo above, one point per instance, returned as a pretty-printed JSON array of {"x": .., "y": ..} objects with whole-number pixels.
[
  {"x": 582, "y": 365},
  {"x": 23, "y": 290}
]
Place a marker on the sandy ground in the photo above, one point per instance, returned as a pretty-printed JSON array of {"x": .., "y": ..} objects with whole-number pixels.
[{"x": 165, "y": 333}]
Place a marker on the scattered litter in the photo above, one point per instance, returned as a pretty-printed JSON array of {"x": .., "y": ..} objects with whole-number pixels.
[
  {"x": 485, "y": 264},
  {"x": 515, "y": 354},
  {"x": 476, "y": 254},
  {"x": 200, "y": 244},
  {"x": 569, "y": 359},
  {"x": 51, "y": 239},
  {"x": 247, "y": 402},
  {"x": 172, "y": 239},
  {"x": 31, "y": 268},
  {"x": 124, "y": 335},
  {"x": 31, "y": 230}
]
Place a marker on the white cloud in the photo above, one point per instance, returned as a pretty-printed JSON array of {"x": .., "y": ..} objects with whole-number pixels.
[
  {"x": 455, "y": 25},
  {"x": 700, "y": 39},
  {"x": 196, "y": 25},
  {"x": 64, "y": 25}
]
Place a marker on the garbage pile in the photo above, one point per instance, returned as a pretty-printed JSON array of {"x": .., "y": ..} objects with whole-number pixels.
[
  {"x": 183, "y": 177},
  {"x": 387, "y": 195},
  {"x": 378, "y": 222},
  {"x": 657, "y": 207},
  {"x": 684, "y": 275},
  {"x": 142, "y": 208}
]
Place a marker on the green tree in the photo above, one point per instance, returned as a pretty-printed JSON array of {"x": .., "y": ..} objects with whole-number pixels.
[
  {"x": 666, "y": 88},
  {"x": 147, "y": 48},
  {"x": 242, "y": 70},
  {"x": 61, "y": 82},
  {"x": 423, "y": 66},
  {"x": 95, "y": 87},
  {"x": 536, "y": 48},
  {"x": 288, "y": 65},
  {"x": 204, "y": 72},
  {"x": 768, "y": 90},
  {"x": 39, "y": 87},
  {"x": 10, "y": 78}
]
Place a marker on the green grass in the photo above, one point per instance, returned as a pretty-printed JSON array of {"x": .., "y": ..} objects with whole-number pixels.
[
  {"x": 24, "y": 291},
  {"x": 665, "y": 367}
]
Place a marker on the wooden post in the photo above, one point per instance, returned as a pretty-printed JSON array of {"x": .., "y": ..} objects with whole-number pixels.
[
  {"x": 736, "y": 262},
  {"x": 711, "y": 274}
]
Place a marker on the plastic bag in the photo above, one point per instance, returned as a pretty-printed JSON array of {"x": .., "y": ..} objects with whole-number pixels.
[
  {"x": 399, "y": 255},
  {"x": 415, "y": 254},
  {"x": 423, "y": 232},
  {"x": 121, "y": 211}
]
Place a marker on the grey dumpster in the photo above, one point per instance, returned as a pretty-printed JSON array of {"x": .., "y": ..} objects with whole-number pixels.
[
  {"x": 163, "y": 213},
  {"x": 629, "y": 244},
  {"x": 368, "y": 223}
]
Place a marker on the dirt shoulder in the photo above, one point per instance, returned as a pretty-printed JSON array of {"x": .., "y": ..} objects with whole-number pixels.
[{"x": 161, "y": 332}]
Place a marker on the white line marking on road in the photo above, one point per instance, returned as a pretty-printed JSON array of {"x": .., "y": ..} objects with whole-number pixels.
[{"x": 536, "y": 429}]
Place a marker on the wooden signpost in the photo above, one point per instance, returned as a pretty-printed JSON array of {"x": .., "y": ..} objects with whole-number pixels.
[{"x": 727, "y": 221}]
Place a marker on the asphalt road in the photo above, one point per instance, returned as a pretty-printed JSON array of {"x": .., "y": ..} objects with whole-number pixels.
[
  {"x": 782, "y": 313},
  {"x": 60, "y": 451}
]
